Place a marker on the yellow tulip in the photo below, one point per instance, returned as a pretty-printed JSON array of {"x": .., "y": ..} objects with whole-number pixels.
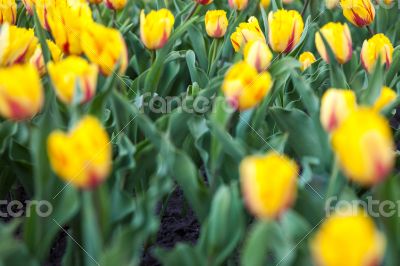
[
  {"x": 29, "y": 5},
  {"x": 265, "y": 3},
  {"x": 364, "y": 145},
  {"x": 284, "y": 30},
  {"x": 378, "y": 46},
  {"x": 82, "y": 156},
  {"x": 8, "y": 11},
  {"x": 238, "y": 4},
  {"x": 306, "y": 59},
  {"x": 66, "y": 24},
  {"x": 115, "y": 4},
  {"x": 156, "y": 27},
  {"x": 37, "y": 58},
  {"x": 348, "y": 238},
  {"x": 331, "y": 4},
  {"x": 216, "y": 23},
  {"x": 247, "y": 31},
  {"x": 386, "y": 97},
  {"x": 44, "y": 7},
  {"x": 244, "y": 87},
  {"x": 359, "y": 12},
  {"x": 105, "y": 47},
  {"x": 74, "y": 79},
  {"x": 204, "y": 2},
  {"x": 21, "y": 93},
  {"x": 257, "y": 54},
  {"x": 269, "y": 184},
  {"x": 339, "y": 39},
  {"x": 16, "y": 45},
  {"x": 336, "y": 105}
]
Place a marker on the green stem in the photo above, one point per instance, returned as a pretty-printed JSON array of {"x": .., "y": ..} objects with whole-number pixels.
[
  {"x": 370, "y": 30},
  {"x": 193, "y": 11},
  {"x": 305, "y": 7},
  {"x": 333, "y": 180}
]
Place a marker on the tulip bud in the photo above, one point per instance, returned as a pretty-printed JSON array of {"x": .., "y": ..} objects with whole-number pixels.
[
  {"x": 105, "y": 47},
  {"x": 81, "y": 157},
  {"x": 37, "y": 58},
  {"x": 284, "y": 30},
  {"x": 364, "y": 145},
  {"x": 29, "y": 5},
  {"x": 306, "y": 59},
  {"x": 204, "y": 2},
  {"x": 359, "y": 12},
  {"x": 378, "y": 46},
  {"x": 247, "y": 31},
  {"x": 17, "y": 45},
  {"x": 21, "y": 93},
  {"x": 115, "y": 4},
  {"x": 238, "y": 4},
  {"x": 386, "y": 97},
  {"x": 216, "y": 23},
  {"x": 336, "y": 105},
  {"x": 257, "y": 54},
  {"x": 8, "y": 11},
  {"x": 348, "y": 237},
  {"x": 156, "y": 27},
  {"x": 67, "y": 24},
  {"x": 339, "y": 39},
  {"x": 265, "y": 3},
  {"x": 269, "y": 184},
  {"x": 243, "y": 87},
  {"x": 331, "y": 4},
  {"x": 74, "y": 79}
]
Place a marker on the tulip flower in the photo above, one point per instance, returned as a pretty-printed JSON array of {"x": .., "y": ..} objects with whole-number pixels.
[
  {"x": 284, "y": 30},
  {"x": 21, "y": 93},
  {"x": 306, "y": 59},
  {"x": 336, "y": 105},
  {"x": 378, "y": 46},
  {"x": 156, "y": 27},
  {"x": 66, "y": 25},
  {"x": 216, "y": 23},
  {"x": 387, "y": 97},
  {"x": 364, "y": 145},
  {"x": 8, "y": 11},
  {"x": 238, "y": 4},
  {"x": 247, "y": 31},
  {"x": 244, "y": 87},
  {"x": 44, "y": 7},
  {"x": 257, "y": 54},
  {"x": 105, "y": 47},
  {"x": 204, "y": 2},
  {"x": 350, "y": 238},
  {"x": 359, "y": 12},
  {"x": 17, "y": 44},
  {"x": 265, "y": 3},
  {"x": 339, "y": 39},
  {"x": 115, "y": 4},
  {"x": 269, "y": 184},
  {"x": 37, "y": 58},
  {"x": 74, "y": 79},
  {"x": 81, "y": 157},
  {"x": 331, "y": 4},
  {"x": 29, "y": 5}
]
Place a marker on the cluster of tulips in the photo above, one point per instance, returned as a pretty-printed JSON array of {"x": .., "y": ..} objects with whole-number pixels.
[{"x": 73, "y": 51}]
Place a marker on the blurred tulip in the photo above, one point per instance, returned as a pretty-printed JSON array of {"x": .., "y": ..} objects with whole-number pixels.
[
  {"x": 339, "y": 39},
  {"x": 306, "y": 59},
  {"x": 331, "y": 4},
  {"x": 37, "y": 58},
  {"x": 257, "y": 54},
  {"x": 336, "y": 105},
  {"x": 115, "y": 4},
  {"x": 247, "y": 31},
  {"x": 238, "y": 4},
  {"x": 364, "y": 145},
  {"x": 105, "y": 47},
  {"x": 359, "y": 12},
  {"x": 81, "y": 157},
  {"x": 386, "y": 97},
  {"x": 74, "y": 79},
  {"x": 8, "y": 11},
  {"x": 29, "y": 5},
  {"x": 348, "y": 238},
  {"x": 284, "y": 30},
  {"x": 156, "y": 27},
  {"x": 269, "y": 184},
  {"x": 286, "y": 2},
  {"x": 44, "y": 7},
  {"x": 244, "y": 87},
  {"x": 265, "y": 3},
  {"x": 21, "y": 93},
  {"x": 16, "y": 44},
  {"x": 204, "y": 2},
  {"x": 378, "y": 46},
  {"x": 216, "y": 23}
]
